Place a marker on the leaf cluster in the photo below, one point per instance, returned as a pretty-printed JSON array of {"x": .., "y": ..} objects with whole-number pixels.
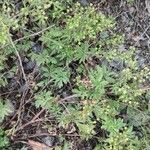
[{"x": 108, "y": 100}]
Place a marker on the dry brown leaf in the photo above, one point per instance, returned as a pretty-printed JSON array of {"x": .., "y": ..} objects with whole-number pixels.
[{"x": 38, "y": 146}]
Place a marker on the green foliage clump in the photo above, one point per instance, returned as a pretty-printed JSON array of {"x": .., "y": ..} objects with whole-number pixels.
[
  {"x": 73, "y": 33},
  {"x": 47, "y": 101},
  {"x": 5, "y": 110},
  {"x": 86, "y": 23},
  {"x": 94, "y": 87},
  {"x": 130, "y": 1},
  {"x": 4, "y": 142}
]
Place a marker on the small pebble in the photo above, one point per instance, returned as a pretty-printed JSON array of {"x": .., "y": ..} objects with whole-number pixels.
[
  {"x": 84, "y": 2},
  {"x": 37, "y": 47},
  {"x": 49, "y": 140}
]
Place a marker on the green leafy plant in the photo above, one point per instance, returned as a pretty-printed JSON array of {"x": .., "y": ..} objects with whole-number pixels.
[
  {"x": 94, "y": 86},
  {"x": 130, "y": 1},
  {"x": 45, "y": 100},
  {"x": 71, "y": 34},
  {"x": 5, "y": 110},
  {"x": 4, "y": 142}
]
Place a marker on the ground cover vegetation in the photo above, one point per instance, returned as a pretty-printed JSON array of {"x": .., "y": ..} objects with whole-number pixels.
[{"x": 64, "y": 77}]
